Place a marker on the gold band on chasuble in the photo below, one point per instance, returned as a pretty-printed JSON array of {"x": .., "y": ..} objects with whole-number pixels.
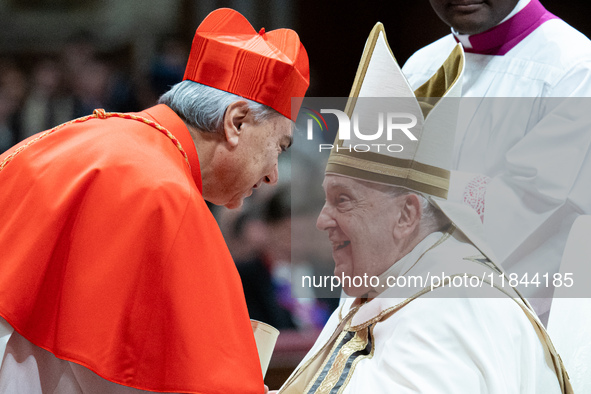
[{"x": 350, "y": 348}]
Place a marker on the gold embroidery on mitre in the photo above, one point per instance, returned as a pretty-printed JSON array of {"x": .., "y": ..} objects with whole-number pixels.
[
  {"x": 384, "y": 168},
  {"x": 429, "y": 93}
]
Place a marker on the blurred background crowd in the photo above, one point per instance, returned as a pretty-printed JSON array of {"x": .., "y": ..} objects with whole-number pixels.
[
  {"x": 56, "y": 87},
  {"x": 60, "y": 59}
]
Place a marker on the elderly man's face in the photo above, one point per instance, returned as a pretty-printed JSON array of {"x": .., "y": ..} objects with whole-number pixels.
[
  {"x": 472, "y": 16},
  {"x": 360, "y": 222},
  {"x": 254, "y": 161}
]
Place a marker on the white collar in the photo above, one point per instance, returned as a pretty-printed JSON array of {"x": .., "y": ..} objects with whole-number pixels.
[{"x": 403, "y": 265}]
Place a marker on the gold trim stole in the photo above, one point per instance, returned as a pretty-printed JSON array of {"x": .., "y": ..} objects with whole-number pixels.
[{"x": 349, "y": 348}]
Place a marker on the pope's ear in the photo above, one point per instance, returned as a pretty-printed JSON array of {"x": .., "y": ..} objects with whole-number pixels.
[
  {"x": 234, "y": 119},
  {"x": 409, "y": 217}
]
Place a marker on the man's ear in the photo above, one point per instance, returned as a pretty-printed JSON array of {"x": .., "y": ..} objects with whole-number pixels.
[
  {"x": 236, "y": 115},
  {"x": 409, "y": 217}
]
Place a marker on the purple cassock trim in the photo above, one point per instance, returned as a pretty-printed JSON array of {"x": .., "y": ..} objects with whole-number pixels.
[{"x": 502, "y": 38}]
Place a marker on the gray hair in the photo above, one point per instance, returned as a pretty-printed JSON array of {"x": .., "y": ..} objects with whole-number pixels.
[
  {"x": 204, "y": 107},
  {"x": 432, "y": 219}
]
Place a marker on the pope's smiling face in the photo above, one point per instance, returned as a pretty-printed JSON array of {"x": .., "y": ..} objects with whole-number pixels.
[
  {"x": 472, "y": 16},
  {"x": 360, "y": 221}
]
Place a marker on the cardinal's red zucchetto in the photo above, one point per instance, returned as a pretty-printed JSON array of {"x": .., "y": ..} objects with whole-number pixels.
[{"x": 267, "y": 67}]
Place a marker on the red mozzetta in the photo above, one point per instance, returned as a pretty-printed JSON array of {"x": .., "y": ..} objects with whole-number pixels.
[{"x": 120, "y": 266}]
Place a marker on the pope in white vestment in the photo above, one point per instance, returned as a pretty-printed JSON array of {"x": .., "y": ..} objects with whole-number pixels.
[
  {"x": 387, "y": 218},
  {"x": 447, "y": 341},
  {"x": 521, "y": 150}
]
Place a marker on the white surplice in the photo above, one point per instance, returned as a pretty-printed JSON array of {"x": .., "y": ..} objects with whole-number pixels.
[
  {"x": 535, "y": 150},
  {"x": 450, "y": 340}
]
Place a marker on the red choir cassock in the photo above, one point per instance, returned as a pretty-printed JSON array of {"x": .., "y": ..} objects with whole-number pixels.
[{"x": 111, "y": 258}]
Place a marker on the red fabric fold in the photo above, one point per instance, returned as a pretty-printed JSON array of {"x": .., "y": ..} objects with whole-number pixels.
[{"x": 111, "y": 259}]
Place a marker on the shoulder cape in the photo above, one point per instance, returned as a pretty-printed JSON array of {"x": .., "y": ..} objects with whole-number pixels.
[{"x": 111, "y": 259}]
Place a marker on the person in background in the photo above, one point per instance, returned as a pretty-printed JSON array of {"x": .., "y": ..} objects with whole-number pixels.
[
  {"x": 249, "y": 238},
  {"x": 114, "y": 275},
  {"x": 260, "y": 240},
  {"x": 13, "y": 89},
  {"x": 167, "y": 67},
  {"x": 521, "y": 155},
  {"x": 47, "y": 104},
  {"x": 8, "y": 133}
]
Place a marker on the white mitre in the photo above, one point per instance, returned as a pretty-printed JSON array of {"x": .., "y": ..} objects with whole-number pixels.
[{"x": 423, "y": 165}]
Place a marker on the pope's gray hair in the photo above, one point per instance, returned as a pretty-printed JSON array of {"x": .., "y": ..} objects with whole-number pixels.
[
  {"x": 204, "y": 107},
  {"x": 432, "y": 218}
]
